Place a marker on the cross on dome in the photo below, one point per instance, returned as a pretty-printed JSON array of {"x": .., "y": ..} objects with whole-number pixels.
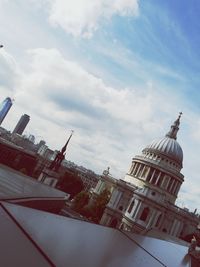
[{"x": 174, "y": 127}]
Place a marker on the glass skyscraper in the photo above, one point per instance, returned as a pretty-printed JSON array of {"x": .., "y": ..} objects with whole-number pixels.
[
  {"x": 21, "y": 125},
  {"x": 4, "y": 108}
]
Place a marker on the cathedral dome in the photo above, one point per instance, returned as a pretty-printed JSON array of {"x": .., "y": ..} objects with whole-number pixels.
[{"x": 168, "y": 146}]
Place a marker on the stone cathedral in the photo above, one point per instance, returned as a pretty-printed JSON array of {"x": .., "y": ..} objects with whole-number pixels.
[{"x": 145, "y": 198}]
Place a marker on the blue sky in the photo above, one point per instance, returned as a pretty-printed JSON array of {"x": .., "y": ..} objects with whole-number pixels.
[{"x": 117, "y": 72}]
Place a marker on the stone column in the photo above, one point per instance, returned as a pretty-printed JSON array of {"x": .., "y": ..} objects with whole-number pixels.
[
  {"x": 171, "y": 187},
  {"x": 137, "y": 209},
  {"x": 138, "y": 169},
  {"x": 132, "y": 168},
  {"x": 158, "y": 178},
  {"x": 152, "y": 176},
  {"x": 174, "y": 187},
  {"x": 135, "y": 166},
  {"x": 148, "y": 173}
]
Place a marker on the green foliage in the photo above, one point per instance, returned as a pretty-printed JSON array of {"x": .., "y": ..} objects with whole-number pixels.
[
  {"x": 87, "y": 211},
  {"x": 80, "y": 201},
  {"x": 95, "y": 211},
  {"x": 70, "y": 183},
  {"x": 103, "y": 198}
]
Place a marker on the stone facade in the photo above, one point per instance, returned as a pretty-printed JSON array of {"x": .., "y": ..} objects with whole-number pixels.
[{"x": 145, "y": 198}]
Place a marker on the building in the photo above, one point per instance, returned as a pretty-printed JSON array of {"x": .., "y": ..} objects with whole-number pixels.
[
  {"x": 22, "y": 123},
  {"x": 23, "y": 141},
  {"x": 23, "y": 190},
  {"x": 4, "y": 108},
  {"x": 51, "y": 174},
  {"x": 88, "y": 177},
  {"x": 17, "y": 157},
  {"x": 145, "y": 198},
  {"x": 5, "y": 134}
]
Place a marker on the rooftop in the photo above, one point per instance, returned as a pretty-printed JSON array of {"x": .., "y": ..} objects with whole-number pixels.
[
  {"x": 70, "y": 242},
  {"x": 14, "y": 184}
]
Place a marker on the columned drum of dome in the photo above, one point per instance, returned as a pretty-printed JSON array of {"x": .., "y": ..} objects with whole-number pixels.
[{"x": 158, "y": 167}]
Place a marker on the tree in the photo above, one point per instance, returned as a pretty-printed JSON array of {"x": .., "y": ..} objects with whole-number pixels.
[
  {"x": 70, "y": 183},
  {"x": 95, "y": 211},
  {"x": 80, "y": 201}
]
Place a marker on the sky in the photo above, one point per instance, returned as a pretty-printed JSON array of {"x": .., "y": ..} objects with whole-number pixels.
[{"x": 117, "y": 72}]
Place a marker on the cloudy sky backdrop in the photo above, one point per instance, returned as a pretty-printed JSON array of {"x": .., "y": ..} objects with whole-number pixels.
[{"x": 117, "y": 72}]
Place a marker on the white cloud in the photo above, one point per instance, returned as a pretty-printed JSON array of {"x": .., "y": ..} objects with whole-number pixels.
[
  {"x": 9, "y": 72},
  {"x": 82, "y": 17},
  {"x": 111, "y": 125},
  {"x": 108, "y": 121}
]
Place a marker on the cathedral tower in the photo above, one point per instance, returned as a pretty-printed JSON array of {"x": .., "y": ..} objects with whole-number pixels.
[
  {"x": 158, "y": 168},
  {"x": 145, "y": 198}
]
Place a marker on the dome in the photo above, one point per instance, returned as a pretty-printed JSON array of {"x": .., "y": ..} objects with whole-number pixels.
[{"x": 169, "y": 147}]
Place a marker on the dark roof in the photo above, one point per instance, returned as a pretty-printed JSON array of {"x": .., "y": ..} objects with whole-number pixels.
[
  {"x": 35, "y": 238},
  {"x": 14, "y": 184}
]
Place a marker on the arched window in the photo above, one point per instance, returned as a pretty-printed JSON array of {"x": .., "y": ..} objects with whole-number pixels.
[
  {"x": 131, "y": 206},
  {"x": 144, "y": 214}
]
